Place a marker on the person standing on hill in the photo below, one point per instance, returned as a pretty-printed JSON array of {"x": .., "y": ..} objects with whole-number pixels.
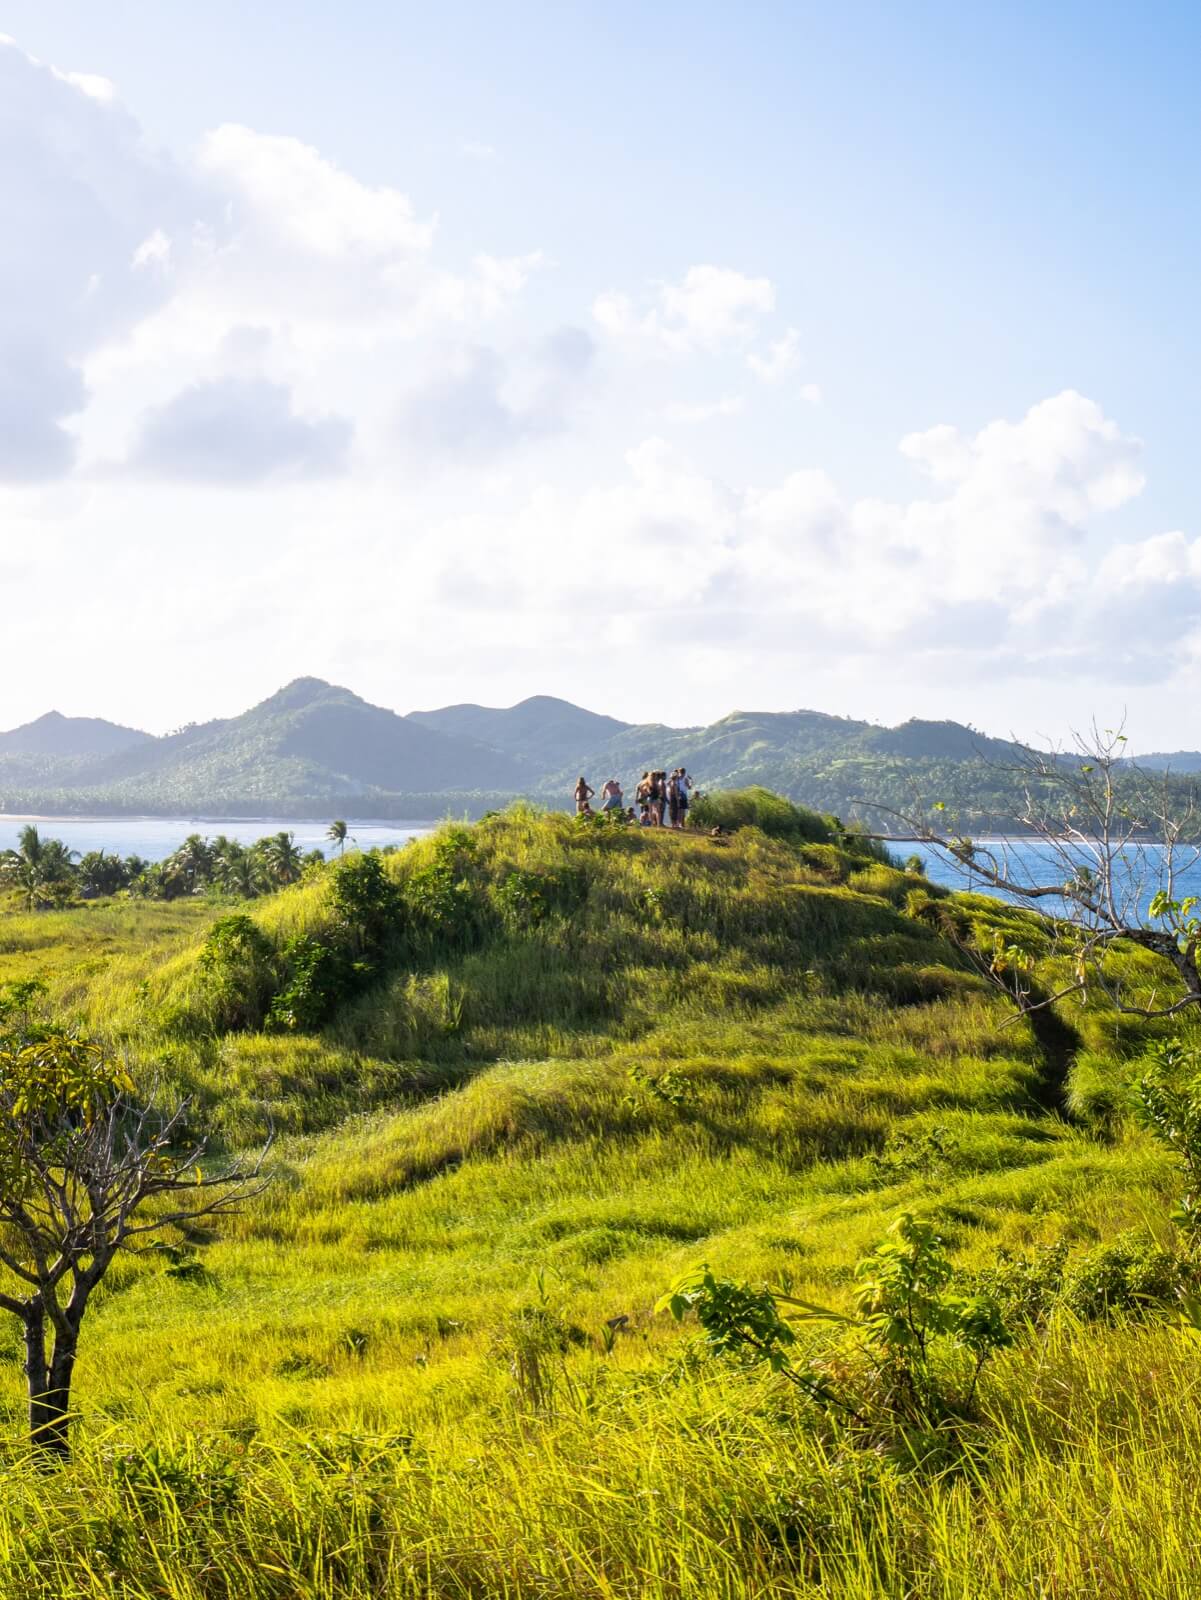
[
  {"x": 658, "y": 796},
  {"x": 582, "y": 795},
  {"x": 643, "y": 793},
  {"x": 612, "y": 798},
  {"x": 673, "y": 799},
  {"x": 683, "y": 784}
]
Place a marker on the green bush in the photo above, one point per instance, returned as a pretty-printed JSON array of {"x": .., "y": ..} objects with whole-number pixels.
[
  {"x": 1131, "y": 1273},
  {"x": 237, "y": 969},
  {"x": 731, "y": 809},
  {"x": 367, "y": 904},
  {"x": 318, "y": 979}
]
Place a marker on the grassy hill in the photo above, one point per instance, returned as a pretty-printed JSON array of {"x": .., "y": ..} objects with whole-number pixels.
[
  {"x": 543, "y": 731},
  {"x": 427, "y": 1362},
  {"x": 311, "y": 745}
]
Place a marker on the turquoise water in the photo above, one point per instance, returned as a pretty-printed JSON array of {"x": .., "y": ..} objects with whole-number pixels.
[
  {"x": 155, "y": 838},
  {"x": 1142, "y": 873}
]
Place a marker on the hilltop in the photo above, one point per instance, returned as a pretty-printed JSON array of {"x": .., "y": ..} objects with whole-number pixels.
[
  {"x": 56, "y": 735},
  {"x": 587, "y": 1059}
]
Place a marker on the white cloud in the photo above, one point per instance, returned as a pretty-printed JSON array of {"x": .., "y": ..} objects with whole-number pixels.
[
  {"x": 79, "y": 193},
  {"x": 262, "y": 322},
  {"x": 783, "y": 358},
  {"x": 90, "y": 83},
  {"x": 476, "y": 402},
  {"x": 154, "y": 250},
  {"x": 238, "y": 430},
  {"x": 288, "y": 189},
  {"x": 708, "y": 308}
]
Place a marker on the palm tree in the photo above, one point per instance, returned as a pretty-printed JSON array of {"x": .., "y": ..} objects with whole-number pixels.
[
  {"x": 39, "y": 868},
  {"x": 237, "y": 873},
  {"x": 336, "y": 834},
  {"x": 193, "y": 861},
  {"x": 282, "y": 860}
]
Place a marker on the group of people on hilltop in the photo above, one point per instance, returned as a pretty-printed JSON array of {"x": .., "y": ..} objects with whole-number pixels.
[{"x": 662, "y": 800}]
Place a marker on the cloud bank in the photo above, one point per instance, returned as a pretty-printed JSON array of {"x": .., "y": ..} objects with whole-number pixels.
[{"x": 247, "y": 349}]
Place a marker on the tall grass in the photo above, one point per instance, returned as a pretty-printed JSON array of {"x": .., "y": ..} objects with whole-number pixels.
[{"x": 425, "y": 1362}]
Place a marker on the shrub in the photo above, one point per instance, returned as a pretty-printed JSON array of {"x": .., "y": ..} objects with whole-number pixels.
[
  {"x": 236, "y": 965},
  {"x": 441, "y": 901},
  {"x": 731, "y": 809},
  {"x": 1131, "y": 1273},
  {"x": 1027, "y": 1288},
  {"x": 317, "y": 980},
  {"x": 526, "y": 899},
  {"x": 905, "y": 1308},
  {"x": 1168, "y": 1102},
  {"x": 367, "y": 904}
]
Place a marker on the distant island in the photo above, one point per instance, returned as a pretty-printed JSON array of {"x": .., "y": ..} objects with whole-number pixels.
[{"x": 315, "y": 749}]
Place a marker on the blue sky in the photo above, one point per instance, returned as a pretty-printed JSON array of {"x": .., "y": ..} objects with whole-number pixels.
[{"x": 456, "y": 352}]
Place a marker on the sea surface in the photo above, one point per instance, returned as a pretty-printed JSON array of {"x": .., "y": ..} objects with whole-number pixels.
[
  {"x": 1142, "y": 871},
  {"x": 155, "y": 838}
]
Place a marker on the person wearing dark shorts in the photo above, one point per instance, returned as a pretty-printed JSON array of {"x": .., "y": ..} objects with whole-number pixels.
[{"x": 683, "y": 784}]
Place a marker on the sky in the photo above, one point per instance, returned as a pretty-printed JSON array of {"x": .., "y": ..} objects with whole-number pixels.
[{"x": 673, "y": 359}]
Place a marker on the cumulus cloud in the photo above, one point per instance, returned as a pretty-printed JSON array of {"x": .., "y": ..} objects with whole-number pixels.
[
  {"x": 79, "y": 193},
  {"x": 238, "y": 430},
  {"x": 477, "y": 402},
  {"x": 708, "y": 308},
  {"x": 1001, "y": 557},
  {"x": 781, "y": 359}
]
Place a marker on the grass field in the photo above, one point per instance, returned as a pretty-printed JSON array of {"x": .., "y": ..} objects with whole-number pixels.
[{"x": 426, "y": 1361}]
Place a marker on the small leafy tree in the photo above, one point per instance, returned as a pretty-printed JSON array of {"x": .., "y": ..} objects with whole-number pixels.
[
  {"x": 337, "y": 833},
  {"x": 85, "y": 1173},
  {"x": 1168, "y": 1102},
  {"x": 237, "y": 965},
  {"x": 904, "y": 1306}
]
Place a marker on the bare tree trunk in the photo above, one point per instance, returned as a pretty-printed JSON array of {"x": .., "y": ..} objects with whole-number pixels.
[
  {"x": 49, "y": 1384},
  {"x": 54, "y": 1436}
]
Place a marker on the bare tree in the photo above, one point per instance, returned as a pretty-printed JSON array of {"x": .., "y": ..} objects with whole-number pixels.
[
  {"x": 86, "y": 1172},
  {"x": 1102, "y": 847}
]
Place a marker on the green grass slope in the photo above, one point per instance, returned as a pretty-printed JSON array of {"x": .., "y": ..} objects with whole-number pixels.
[{"x": 426, "y": 1362}]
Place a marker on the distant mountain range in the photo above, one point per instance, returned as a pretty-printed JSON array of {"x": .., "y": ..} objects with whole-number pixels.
[{"x": 314, "y": 749}]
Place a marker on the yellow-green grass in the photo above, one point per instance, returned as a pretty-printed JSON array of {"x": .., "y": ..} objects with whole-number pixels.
[{"x": 339, "y": 1399}]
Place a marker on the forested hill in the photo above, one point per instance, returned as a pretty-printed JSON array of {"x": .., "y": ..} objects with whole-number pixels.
[{"x": 316, "y": 749}]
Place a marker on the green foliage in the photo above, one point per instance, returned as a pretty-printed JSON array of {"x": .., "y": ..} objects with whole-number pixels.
[
  {"x": 398, "y": 1415},
  {"x": 236, "y": 963},
  {"x": 444, "y": 909},
  {"x": 1027, "y": 1287},
  {"x": 927, "y": 1153},
  {"x": 525, "y": 899},
  {"x": 904, "y": 1307},
  {"x": 757, "y": 807},
  {"x": 316, "y": 981},
  {"x": 1131, "y": 1273},
  {"x": 668, "y": 1088},
  {"x": 366, "y": 903},
  {"x": 1168, "y": 1101}
]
